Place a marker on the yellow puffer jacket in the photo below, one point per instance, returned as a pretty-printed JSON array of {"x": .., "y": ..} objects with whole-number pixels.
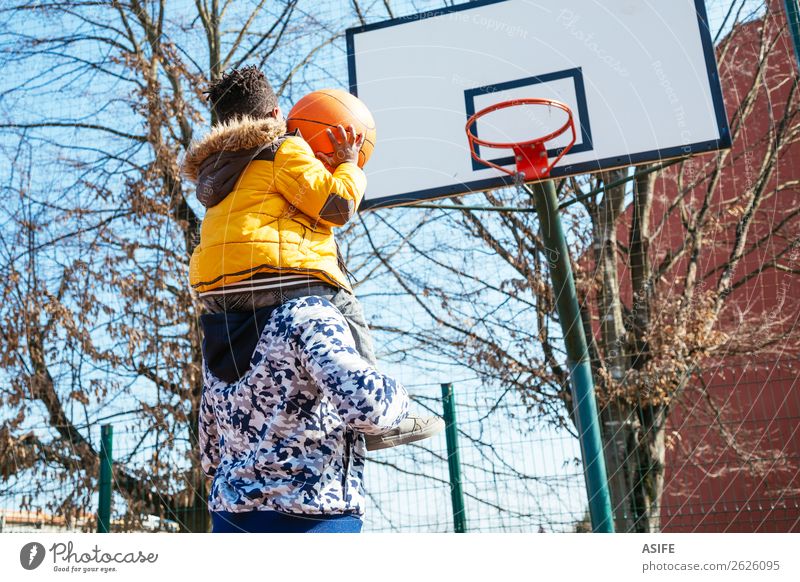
[{"x": 271, "y": 205}]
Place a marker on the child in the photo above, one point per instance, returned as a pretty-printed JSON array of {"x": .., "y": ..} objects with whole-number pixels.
[{"x": 271, "y": 206}]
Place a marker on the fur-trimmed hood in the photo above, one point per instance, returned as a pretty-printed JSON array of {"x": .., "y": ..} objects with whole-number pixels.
[
  {"x": 242, "y": 134},
  {"x": 216, "y": 161}
]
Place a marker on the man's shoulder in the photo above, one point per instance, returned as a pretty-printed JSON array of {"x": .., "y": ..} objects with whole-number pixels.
[
  {"x": 308, "y": 312},
  {"x": 308, "y": 306}
]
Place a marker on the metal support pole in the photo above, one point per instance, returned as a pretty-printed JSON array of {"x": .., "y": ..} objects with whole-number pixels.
[
  {"x": 453, "y": 463},
  {"x": 104, "y": 496},
  {"x": 793, "y": 18},
  {"x": 546, "y": 201}
]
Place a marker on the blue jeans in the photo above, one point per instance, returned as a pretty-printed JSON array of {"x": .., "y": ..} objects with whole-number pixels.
[{"x": 276, "y": 522}]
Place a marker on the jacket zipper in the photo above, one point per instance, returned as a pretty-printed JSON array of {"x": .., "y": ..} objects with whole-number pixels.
[{"x": 347, "y": 454}]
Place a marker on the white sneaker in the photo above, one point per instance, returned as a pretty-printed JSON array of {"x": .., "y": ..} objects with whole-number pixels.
[{"x": 411, "y": 429}]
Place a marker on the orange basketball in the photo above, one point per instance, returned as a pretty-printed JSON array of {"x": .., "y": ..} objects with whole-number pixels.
[{"x": 327, "y": 108}]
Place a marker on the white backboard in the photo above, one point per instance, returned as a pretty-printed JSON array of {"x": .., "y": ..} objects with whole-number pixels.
[{"x": 639, "y": 75}]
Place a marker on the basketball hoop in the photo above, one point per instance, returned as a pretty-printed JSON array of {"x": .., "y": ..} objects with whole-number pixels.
[{"x": 530, "y": 156}]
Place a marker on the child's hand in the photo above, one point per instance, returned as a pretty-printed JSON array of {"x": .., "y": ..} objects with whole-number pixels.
[{"x": 345, "y": 147}]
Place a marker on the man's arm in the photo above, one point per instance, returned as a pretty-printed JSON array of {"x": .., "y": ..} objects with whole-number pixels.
[
  {"x": 301, "y": 178},
  {"x": 367, "y": 400},
  {"x": 208, "y": 437}
]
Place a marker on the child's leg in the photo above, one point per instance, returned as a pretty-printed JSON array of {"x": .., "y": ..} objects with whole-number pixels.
[
  {"x": 349, "y": 306},
  {"x": 413, "y": 428}
]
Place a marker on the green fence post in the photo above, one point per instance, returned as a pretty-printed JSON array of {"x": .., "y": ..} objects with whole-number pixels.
[
  {"x": 546, "y": 201},
  {"x": 104, "y": 496},
  {"x": 793, "y": 20},
  {"x": 453, "y": 462}
]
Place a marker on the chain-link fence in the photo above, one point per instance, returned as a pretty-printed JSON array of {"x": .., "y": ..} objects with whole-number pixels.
[{"x": 732, "y": 465}]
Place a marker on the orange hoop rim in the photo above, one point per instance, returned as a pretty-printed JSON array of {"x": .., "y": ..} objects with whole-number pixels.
[{"x": 475, "y": 140}]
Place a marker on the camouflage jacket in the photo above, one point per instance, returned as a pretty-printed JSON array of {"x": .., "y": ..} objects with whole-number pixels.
[{"x": 288, "y": 435}]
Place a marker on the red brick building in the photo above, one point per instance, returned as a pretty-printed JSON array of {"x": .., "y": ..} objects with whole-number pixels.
[{"x": 733, "y": 456}]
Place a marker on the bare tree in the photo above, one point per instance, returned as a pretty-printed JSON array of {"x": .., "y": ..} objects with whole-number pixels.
[{"x": 97, "y": 319}]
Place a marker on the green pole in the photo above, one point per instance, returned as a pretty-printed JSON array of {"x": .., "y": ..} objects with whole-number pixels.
[
  {"x": 453, "y": 463},
  {"x": 546, "y": 201},
  {"x": 793, "y": 18},
  {"x": 104, "y": 501}
]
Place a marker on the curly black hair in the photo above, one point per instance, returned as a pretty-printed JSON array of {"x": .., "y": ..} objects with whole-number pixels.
[{"x": 240, "y": 92}]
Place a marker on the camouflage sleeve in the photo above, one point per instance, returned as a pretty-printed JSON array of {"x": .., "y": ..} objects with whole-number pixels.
[
  {"x": 367, "y": 400},
  {"x": 208, "y": 436}
]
